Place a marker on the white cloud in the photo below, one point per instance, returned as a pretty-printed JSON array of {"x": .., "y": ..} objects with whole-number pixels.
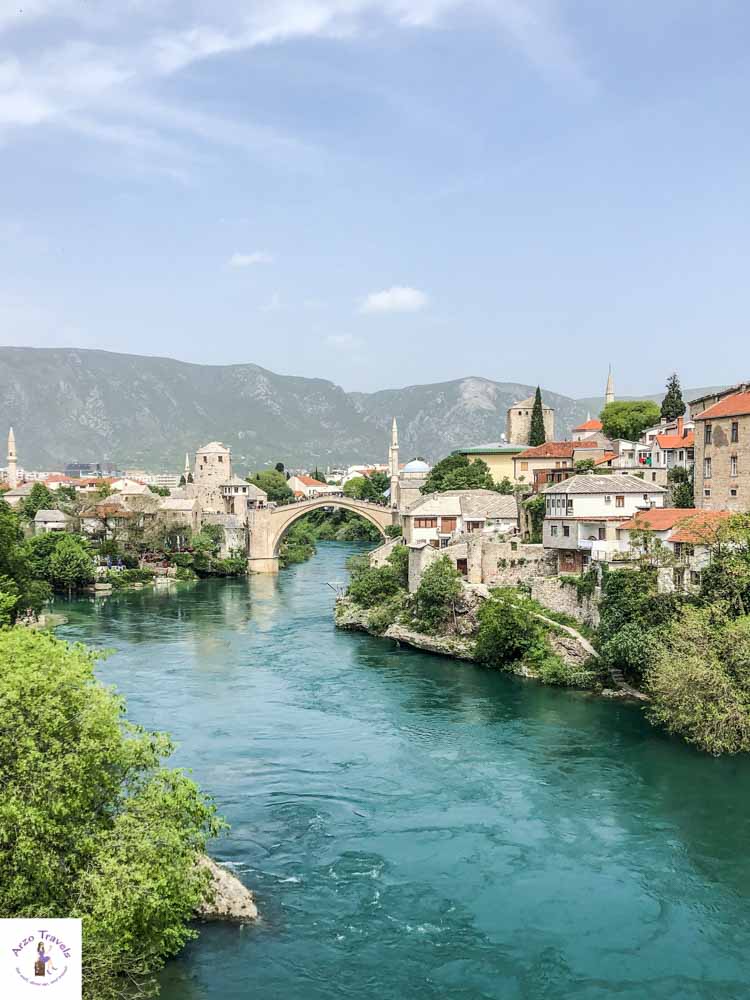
[
  {"x": 248, "y": 259},
  {"x": 399, "y": 298}
]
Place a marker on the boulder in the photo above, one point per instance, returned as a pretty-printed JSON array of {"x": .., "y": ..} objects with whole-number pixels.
[
  {"x": 231, "y": 899},
  {"x": 445, "y": 645}
]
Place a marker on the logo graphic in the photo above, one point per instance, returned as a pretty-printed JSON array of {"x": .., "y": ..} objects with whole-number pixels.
[{"x": 40, "y": 953}]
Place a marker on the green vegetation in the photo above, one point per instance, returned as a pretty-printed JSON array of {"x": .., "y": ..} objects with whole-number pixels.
[
  {"x": 71, "y": 564},
  {"x": 585, "y": 465},
  {"x": 458, "y": 472},
  {"x": 537, "y": 433},
  {"x": 92, "y": 822},
  {"x": 297, "y": 545},
  {"x": 681, "y": 485},
  {"x": 394, "y": 531},
  {"x": 120, "y": 579},
  {"x": 536, "y": 507},
  {"x": 629, "y": 420},
  {"x": 40, "y": 498},
  {"x": 161, "y": 491},
  {"x": 370, "y": 487},
  {"x": 435, "y": 598},
  {"x": 21, "y": 589},
  {"x": 274, "y": 484},
  {"x": 673, "y": 405}
]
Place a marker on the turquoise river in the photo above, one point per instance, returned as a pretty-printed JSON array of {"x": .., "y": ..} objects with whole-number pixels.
[{"x": 417, "y": 828}]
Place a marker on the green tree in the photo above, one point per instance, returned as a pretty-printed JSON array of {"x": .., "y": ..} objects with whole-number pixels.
[
  {"x": 585, "y": 465},
  {"x": 361, "y": 488},
  {"x": 93, "y": 824},
  {"x": 629, "y": 420},
  {"x": 537, "y": 434},
  {"x": 70, "y": 564},
  {"x": 161, "y": 491},
  {"x": 680, "y": 482},
  {"x": 279, "y": 467},
  {"x": 507, "y": 632},
  {"x": 436, "y": 596},
  {"x": 380, "y": 482},
  {"x": 536, "y": 508},
  {"x": 40, "y": 498},
  {"x": 19, "y": 590},
  {"x": 274, "y": 484},
  {"x": 183, "y": 481},
  {"x": 673, "y": 405},
  {"x": 458, "y": 472}
]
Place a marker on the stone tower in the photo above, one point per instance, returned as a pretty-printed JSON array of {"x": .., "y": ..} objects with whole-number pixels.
[
  {"x": 213, "y": 466},
  {"x": 518, "y": 423},
  {"x": 393, "y": 464},
  {"x": 12, "y": 460},
  {"x": 609, "y": 392}
]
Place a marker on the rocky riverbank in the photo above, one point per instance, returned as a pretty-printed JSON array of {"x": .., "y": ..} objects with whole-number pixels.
[{"x": 231, "y": 900}]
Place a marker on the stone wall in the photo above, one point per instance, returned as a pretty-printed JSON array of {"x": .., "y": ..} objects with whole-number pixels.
[
  {"x": 563, "y": 598},
  {"x": 379, "y": 556},
  {"x": 487, "y": 560}
]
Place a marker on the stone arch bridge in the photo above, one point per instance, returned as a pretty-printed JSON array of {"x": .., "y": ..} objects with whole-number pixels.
[{"x": 267, "y": 526}]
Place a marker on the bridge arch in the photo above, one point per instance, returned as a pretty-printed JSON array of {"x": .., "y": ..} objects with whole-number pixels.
[{"x": 268, "y": 527}]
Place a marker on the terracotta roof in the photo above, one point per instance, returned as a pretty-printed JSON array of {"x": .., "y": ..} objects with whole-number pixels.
[
  {"x": 658, "y": 519},
  {"x": 556, "y": 449},
  {"x": 608, "y": 457},
  {"x": 309, "y": 481},
  {"x": 732, "y": 406},
  {"x": 589, "y": 425},
  {"x": 701, "y": 528},
  {"x": 667, "y": 441}
]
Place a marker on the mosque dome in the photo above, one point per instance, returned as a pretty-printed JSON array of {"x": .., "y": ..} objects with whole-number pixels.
[{"x": 416, "y": 465}]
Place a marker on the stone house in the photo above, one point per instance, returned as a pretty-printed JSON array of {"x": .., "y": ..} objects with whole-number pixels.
[
  {"x": 179, "y": 511},
  {"x": 722, "y": 454},
  {"x": 583, "y": 512},
  {"x": 492, "y": 560},
  {"x": 51, "y": 520},
  {"x": 437, "y": 518},
  {"x": 15, "y": 497}
]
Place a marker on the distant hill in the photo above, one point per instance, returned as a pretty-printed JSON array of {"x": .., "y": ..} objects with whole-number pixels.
[{"x": 144, "y": 412}]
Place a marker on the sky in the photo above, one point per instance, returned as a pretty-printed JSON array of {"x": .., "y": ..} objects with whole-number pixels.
[{"x": 382, "y": 192}]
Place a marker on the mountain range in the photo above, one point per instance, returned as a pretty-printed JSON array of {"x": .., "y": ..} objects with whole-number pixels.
[{"x": 146, "y": 412}]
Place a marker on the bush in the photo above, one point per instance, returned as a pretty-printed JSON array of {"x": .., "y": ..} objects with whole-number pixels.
[
  {"x": 120, "y": 579},
  {"x": 508, "y": 633},
  {"x": 373, "y": 586},
  {"x": 385, "y": 614},
  {"x": 438, "y": 590},
  {"x": 92, "y": 824},
  {"x": 394, "y": 531}
]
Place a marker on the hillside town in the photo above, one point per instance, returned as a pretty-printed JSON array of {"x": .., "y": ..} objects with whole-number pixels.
[{"x": 564, "y": 505}]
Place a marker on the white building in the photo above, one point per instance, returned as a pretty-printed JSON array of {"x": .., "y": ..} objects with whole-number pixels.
[
  {"x": 306, "y": 487},
  {"x": 582, "y": 514}
]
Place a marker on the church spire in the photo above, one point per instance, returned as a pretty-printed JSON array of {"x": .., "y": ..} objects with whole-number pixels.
[
  {"x": 609, "y": 393},
  {"x": 12, "y": 460}
]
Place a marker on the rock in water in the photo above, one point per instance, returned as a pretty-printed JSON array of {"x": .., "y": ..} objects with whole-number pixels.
[{"x": 231, "y": 900}]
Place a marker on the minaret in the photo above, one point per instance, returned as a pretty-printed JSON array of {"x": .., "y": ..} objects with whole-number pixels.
[
  {"x": 187, "y": 466},
  {"x": 609, "y": 393},
  {"x": 393, "y": 463},
  {"x": 12, "y": 461}
]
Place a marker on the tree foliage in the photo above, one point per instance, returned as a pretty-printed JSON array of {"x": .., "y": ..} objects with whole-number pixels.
[
  {"x": 20, "y": 589},
  {"x": 363, "y": 488},
  {"x": 274, "y": 483},
  {"x": 71, "y": 564},
  {"x": 507, "y": 632},
  {"x": 629, "y": 419},
  {"x": 92, "y": 823},
  {"x": 458, "y": 472},
  {"x": 537, "y": 433},
  {"x": 436, "y": 596},
  {"x": 40, "y": 498},
  {"x": 673, "y": 405}
]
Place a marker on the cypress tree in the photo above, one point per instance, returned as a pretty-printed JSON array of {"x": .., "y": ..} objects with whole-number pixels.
[
  {"x": 536, "y": 433},
  {"x": 673, "y": 405}
]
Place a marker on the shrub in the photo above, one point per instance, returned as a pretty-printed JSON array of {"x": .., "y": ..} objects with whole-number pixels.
[
  {"x": 508, "y": 633},
  {"x": 385, "y": 614},
  {"x": 373, "y": 586},
  {"x": 436, "y": 595}
]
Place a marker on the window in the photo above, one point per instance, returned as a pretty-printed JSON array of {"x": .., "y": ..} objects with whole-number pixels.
[
  {"x": 447, "y": 524},
  {"x": 733, "y": 466},
  {"x": 608, "y": 499},
  {"x": 524, "y": 466},
  {"x": 619, "y": 501},
  {"x": 695, "y": 578},
  {"x": 653, "y": 477},
  {"x": 602, "y": 532},
  {"x": 444, "y": 542},
  {"x": 462, "y": 565},
  {"x": 707, "y": 434},
  {"x": 733, "y": 493},
  {"x": 566, "y": 530},
  {"x": 735, "y": 431},
  {"x": 707, "y": 493},
  {"x": 425, "y": 522},
  {"x": 706, "y": 468},
  {"x": 221, "y": 458},
  {"x": 553, "y": 530},
  {"x": 645, "y": 497}
]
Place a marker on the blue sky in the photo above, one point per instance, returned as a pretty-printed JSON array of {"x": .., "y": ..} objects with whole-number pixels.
[{"x": 382, "y": 192}]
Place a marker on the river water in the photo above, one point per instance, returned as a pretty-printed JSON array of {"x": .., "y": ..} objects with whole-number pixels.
[{"x": 416, "y": 828}]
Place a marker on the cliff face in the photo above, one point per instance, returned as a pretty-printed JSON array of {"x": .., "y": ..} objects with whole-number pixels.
[{"x": 69, "y": 405}]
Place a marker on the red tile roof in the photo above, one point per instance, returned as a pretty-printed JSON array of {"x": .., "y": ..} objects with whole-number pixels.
[
  {"x": 732, "y": 406},
  {"x": 556, "y": 449},
  {"x": 309, "y": 481},
  {"x": 702, "y": 528},
  {"x": 608, "y": 457},
  {"x": 658, "y": 518},
  {"x": 589, "y": 425},
  {"x": 667, "y": 441}
]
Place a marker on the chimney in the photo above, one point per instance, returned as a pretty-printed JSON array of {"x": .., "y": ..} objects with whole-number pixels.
[{"x": 680, "y": 427}]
